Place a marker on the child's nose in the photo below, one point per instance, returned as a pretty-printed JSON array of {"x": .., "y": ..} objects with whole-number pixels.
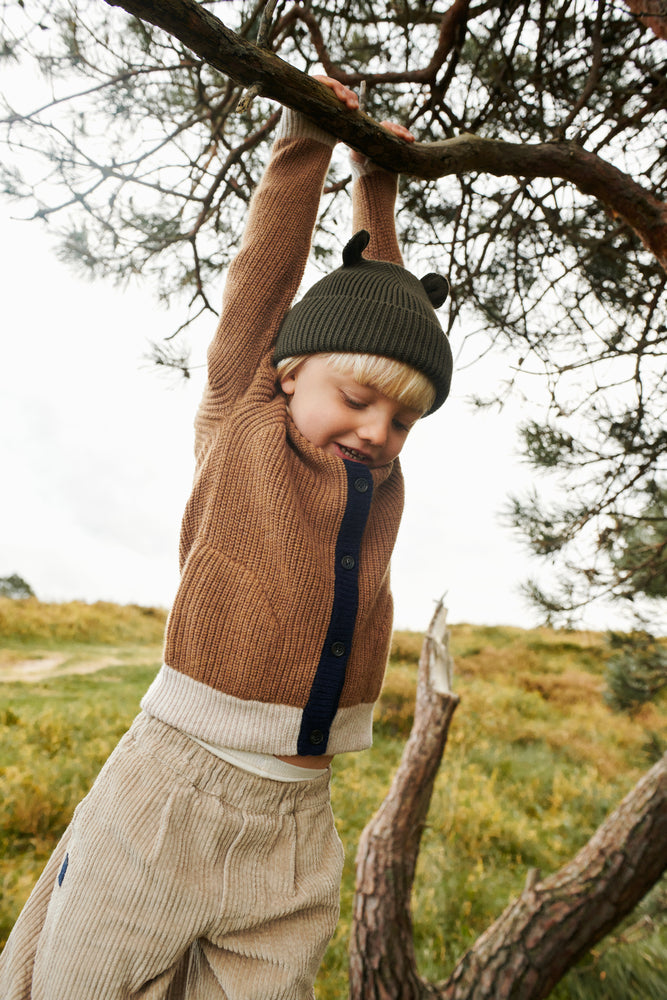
[{"x": 374, "y": 430}]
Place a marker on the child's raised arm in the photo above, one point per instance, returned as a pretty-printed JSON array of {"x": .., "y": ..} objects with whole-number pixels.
[
  {"x": 265, "y": 275},
  {"x": 374, "y": 200}
]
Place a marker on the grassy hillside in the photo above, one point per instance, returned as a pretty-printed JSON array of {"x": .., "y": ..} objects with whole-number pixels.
[{"x": 535, "y": 761}]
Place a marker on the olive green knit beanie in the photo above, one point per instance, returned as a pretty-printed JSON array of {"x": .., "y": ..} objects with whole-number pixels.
[{"x": 372, "y": 307}]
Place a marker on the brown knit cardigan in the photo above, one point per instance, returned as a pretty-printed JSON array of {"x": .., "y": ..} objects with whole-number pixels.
[{"x": 279, "y": 633}]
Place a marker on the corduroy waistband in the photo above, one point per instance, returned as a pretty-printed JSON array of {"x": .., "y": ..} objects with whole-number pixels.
[{"x": 210, "y": 774}]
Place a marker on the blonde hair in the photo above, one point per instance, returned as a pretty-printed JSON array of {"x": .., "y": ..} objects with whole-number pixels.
[{"x": 400, "y": 381}]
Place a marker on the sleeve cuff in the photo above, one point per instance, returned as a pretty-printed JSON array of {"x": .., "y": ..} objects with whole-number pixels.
[
  {"x": 364, "y": 168},
  {"x": 293, "y": 125}
]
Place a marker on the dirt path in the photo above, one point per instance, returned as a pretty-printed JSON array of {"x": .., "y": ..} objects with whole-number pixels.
[{"x": 51, "y": 665}]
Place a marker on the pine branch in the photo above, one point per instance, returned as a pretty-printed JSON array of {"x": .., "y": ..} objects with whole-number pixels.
[{"x": 250, "y": 66}]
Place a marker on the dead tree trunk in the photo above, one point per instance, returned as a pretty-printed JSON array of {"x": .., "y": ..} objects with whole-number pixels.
[
  {"x": 382, "y": 958},
  {"x": 539, "y": 936}
]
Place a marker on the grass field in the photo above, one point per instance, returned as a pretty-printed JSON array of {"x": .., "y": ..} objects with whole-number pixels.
[{"x": 535, "y": 761}]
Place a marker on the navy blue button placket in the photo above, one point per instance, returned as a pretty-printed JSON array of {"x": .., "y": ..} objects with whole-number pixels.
[{"x": 330, "y": 675}]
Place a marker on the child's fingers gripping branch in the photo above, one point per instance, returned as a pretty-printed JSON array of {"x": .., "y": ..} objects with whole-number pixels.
[
  {"x": 351, "y": 101},
  {"x": 400, "y": 131},
  {"x": 343, "y": 93}
]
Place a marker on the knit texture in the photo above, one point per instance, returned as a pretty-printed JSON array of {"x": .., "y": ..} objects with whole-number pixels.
[
  {"x": 247, "y": 630},
  {"x": 293, "y": 125},
  {"x": 370, "y": 307}
]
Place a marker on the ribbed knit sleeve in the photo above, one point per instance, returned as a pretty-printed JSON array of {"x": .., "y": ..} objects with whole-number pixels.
[
  {"x": 266, "y": 273},
  {"x": 373, "y": 202}
]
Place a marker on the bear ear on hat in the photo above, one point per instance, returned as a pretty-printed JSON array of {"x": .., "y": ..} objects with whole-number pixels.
[
  {"x": 356, "y": 246},
  {"x": 436, "y": 287}
]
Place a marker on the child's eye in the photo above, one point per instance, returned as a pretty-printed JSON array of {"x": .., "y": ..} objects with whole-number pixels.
[
  {"x": 402, "y": 427},
  {"x": 355, "y": 404}
]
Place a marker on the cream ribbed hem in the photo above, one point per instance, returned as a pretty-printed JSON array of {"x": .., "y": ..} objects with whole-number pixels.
[
  {"x": 294, "y": 125},
  {"x": 364, "y": 168},
  {"x": 225, "y": 721}
]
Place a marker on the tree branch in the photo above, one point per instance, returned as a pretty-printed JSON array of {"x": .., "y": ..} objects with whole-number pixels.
[
  {"x": 553, "y": 923},
  {"x": 653, "y": 13},
  {"x": 451, "y": 24},
  {"x": 249, "y": 65}
]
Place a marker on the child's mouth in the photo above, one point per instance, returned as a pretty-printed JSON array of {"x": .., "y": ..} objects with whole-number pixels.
[{"x": 352, "y": 454}]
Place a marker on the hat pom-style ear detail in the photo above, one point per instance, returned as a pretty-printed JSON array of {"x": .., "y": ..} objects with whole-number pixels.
[
  {"x": 436, "y": 287},
  {"x": 356, "y": 246},
  {"x": 374, "y": 307}
]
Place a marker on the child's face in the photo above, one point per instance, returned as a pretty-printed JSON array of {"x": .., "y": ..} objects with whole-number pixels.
[{"x": 335, "y": 412}]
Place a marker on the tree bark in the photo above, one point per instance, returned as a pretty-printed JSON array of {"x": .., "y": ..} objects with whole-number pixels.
[
  {"x": 554, "y": 922},
  {"x": 249, "y": 65},
  {"x": 539, "y": 936},
  {"x": 653, "y": 13}
]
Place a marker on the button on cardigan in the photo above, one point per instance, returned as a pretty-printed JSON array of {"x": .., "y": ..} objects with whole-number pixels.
[{"x": 279, "y": 634}]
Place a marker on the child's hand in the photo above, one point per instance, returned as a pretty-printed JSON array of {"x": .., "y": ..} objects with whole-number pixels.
[
  {"x": 351, "y": 101},
  {"x": 400, "y": 131},
  {"x": 343, "y": 93}
]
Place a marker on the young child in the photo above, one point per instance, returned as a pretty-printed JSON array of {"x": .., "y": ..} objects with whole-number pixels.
[{"x": 204, "y": 863}]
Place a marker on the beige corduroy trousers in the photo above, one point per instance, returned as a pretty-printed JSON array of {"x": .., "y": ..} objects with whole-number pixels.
[{"x": 181, "y": 877}]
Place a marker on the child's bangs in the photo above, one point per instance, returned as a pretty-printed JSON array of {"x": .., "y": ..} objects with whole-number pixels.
[
  {"x": 395, "y": 379},
  {"x": 399, "y": 381}
]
